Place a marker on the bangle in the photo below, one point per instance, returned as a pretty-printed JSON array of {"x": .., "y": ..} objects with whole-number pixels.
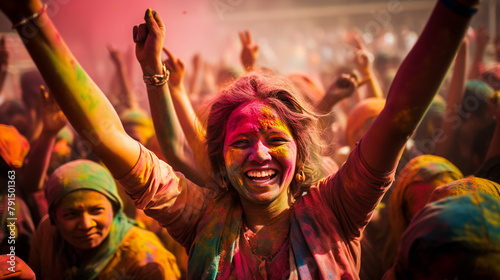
[
  {"x": 458, "y": 8},
  {"x": 30, "y": 18},
  {"x": 157, "y": 79},
  {"x": 365, "y": 80}
]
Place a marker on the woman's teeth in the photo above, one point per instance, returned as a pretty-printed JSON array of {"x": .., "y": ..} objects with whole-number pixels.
[{"x": 254, "y": 174}]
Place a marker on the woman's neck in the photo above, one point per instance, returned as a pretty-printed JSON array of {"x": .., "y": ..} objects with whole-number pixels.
[
  {"x": 274, "y": 214},
  {"x": 84, "y": 255},
  {"x": 269, "y": 226}
]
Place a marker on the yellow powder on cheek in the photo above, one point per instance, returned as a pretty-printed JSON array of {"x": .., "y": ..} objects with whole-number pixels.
[
  {"x": 234, "y": 158},
  {"x": 281, "y": 151}
]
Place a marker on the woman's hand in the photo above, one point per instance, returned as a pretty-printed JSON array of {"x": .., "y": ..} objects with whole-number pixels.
[
  {"x": 363, "y": 60},
  {"x": 116, "y": 55},
  {"x": 176, "y": 68},
  {"x": 482, "y": 37},
  {"x": 16, "y": 10},
  {"x": 52, "y": 116},
  {"x": 362, "y": 57},
  {"x": 249, "y": 51},
  {"x": 149, "y": 39},
  {"x": 344, "y": 86}
]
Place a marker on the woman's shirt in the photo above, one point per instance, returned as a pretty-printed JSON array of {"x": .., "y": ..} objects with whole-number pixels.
[{"x": 326, "y": 222}]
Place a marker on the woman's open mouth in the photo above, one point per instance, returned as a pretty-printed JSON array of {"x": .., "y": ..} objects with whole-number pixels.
[{"x": 261, "y": 175}]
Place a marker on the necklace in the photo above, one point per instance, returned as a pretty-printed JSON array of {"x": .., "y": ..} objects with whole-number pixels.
[{"x": 270, "y": 257}]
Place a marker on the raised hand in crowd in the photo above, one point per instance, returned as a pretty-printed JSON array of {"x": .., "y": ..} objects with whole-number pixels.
[
  {"x": 126, "y": 96},
  {"x": 364, "y": 60},
  {"x": 249, "y": 51}
]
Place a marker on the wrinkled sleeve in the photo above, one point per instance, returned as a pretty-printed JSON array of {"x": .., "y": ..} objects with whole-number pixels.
[
  {"x": 166, "y": 196},
  {"x": 354, "y": 192}
]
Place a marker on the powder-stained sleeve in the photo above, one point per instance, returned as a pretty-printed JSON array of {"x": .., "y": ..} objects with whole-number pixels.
[
  {"x": 354, "y": 192},
  {"x": 166, "y": 196}
]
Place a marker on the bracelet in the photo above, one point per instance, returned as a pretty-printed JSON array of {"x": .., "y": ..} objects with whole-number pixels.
[
  {"x": 458, "y": 8},
  {"x": 30, "y": 18},
  {"x": 157, "y": 79},
  {"x": 365, "y": 80}
]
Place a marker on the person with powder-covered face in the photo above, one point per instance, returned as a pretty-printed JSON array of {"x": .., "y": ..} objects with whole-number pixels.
[
  {"x": 267, "y": 215},
  {"x": 87, "y": 235}
]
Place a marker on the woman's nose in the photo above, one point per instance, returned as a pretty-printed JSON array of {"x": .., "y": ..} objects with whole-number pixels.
[
  {"x": 260, "y": 152},
  {"x": 86, "y": 221}
]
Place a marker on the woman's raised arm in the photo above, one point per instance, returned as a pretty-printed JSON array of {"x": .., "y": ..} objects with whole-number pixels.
[
  {"x": 417, "y": 81},
  {"x": 83, "y": 103}
]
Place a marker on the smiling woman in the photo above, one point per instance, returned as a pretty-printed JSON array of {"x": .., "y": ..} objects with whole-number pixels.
[
  {"x": 266, "y": 215},
  {"x": 87, "y": 235},
  {"x": 84, "y": 219},
  {"x": 259, "y": 154}
]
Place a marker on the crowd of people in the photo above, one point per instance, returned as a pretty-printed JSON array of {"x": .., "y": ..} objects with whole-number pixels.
[{"x": 259, "y": 175}]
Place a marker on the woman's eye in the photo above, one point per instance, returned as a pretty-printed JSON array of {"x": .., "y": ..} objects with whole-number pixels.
[
  {"x": 70, "y": 215},
  {"x": 278, "y": 140},
  {"x": 240, "y": 143},
  {"x": 97, "y": 210}
]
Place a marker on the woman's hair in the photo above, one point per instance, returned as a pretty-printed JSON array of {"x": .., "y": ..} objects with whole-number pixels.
[{"x": 278, "y": 93}]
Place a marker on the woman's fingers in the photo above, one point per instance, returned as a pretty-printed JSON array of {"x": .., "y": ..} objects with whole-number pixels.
[
  {"x": 134, "y": 33},
  {"x": 174, "y": 63},
  {"x": 158, "y": 20},
  {"x": 153, "y": 22},
  {"x": 168, "y": 53},
  {"x": 142, "y": 33}
]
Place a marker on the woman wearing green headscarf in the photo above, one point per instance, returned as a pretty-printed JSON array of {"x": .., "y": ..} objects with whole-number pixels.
[
  {"x": 414, "y": 184},
  {"x": 87, "y": 235},
  {"x": 453, "y": 238}
]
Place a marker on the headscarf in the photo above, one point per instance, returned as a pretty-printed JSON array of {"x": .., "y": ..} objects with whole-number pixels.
[
  {"x": 480, "y": 93},
  {"x": 464, "y": 186},
  {"x": 137, "y": 124},
  {"x": 87, "y": 175},
  {"x": 363, "y": 111},
  {"x": 470, "y": 221},
  {"x": 13, "y": 146},
  {"x": 431, "y": 121},
  {"x": 492, "y": 77},
  {"x": 422, "y": 169}
]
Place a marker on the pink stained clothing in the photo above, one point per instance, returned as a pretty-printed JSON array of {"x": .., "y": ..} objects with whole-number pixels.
[{"x": 325, "y": 230}]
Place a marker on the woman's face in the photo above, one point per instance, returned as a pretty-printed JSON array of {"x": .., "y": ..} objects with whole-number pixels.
[
  {"x": 260, "y": 154},
  {"x": 84, "y": 219}
]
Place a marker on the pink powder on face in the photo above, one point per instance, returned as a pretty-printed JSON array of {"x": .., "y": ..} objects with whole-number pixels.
[{"x": 258, "y": 140}]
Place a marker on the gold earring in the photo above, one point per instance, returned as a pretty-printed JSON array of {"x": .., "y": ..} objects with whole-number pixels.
[{"x": 300, "y": 176}]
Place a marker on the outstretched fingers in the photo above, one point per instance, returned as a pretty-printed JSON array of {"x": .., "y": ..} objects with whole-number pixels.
[{"x": 173, "y": 62}]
